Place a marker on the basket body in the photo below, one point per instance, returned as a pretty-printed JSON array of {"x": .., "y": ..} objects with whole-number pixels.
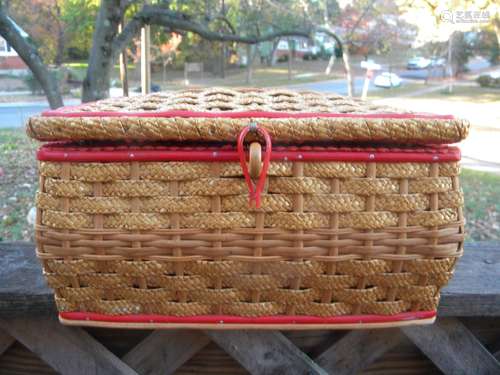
[{"x": 165, "y": 237}]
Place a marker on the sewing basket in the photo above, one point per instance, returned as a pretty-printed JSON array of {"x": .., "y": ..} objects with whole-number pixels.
[{"x": 247, "y": 208}]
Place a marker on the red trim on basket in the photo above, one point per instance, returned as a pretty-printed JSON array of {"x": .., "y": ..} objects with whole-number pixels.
[
  {"x": 64, "y": 112},
  {"x": 123, "y": 154},
  {"x": 231, "y": 319}
]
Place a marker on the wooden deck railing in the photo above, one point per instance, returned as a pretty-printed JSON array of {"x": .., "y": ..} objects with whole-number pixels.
[{"x": 471, "y": 303}]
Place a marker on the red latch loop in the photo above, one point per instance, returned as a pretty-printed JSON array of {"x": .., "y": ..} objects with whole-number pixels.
[{"x": 255, "y": 190}]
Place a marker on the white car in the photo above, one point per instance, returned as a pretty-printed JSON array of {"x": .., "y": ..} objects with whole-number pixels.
[
  {"x": 418, "y": 63},
  {"x": 387, "y": 80}
]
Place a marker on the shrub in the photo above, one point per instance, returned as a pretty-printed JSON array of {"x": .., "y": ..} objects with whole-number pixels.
[{"x": 487, "y": 80}]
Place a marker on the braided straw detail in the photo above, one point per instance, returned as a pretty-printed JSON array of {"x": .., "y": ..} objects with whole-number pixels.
[
  {"x": 269, "y": 203},
  {"x": 363, "y": 267},
  {"x": 428, "y": 185},
  {"x": 295, "y": 268},
  {"x": 116, "y": 307},
  {"x": 256, "y": 282},
  {"x": 249, "y": 309},
  {"x": 440, "y": 279},
  {"x": 223, "y": 268},
  {"x": 393, "y": 280},
  {"x": 65, "y": 306},
  {"x": 416, "y": 292},
  {"x": 402, "y": 202},
  {"x": 368, "y": 220},
  {"x": 178, "y": 283},
  {"x": 429, "y": 304},
  {"x": 334, "y": 203},
  {"x": 71, "y": 267},
  {"x": 103, "y": 280},
  {"x": 144, "y": 295},
  {"x": 433, "y": 218},
  {"x": 451, "y": 199},
  {"x": 330, "y": 282},
  {"x": 174, "y": 171},
  {"x": 385, "y": 307},
  {"x": 80, "y": 294},
  {"x": 179, "y": 171},
  {"x": 430, "y": 266},
  {"x": 325, "y": 309},
  {"x": 213, "y": 186},
  {"x": 296, "y": 220},
  {"x": 180, "y": 238},
  {"x": 216, "y": 296},
  {"x": 336, "y": 169},
  {"x": 298, "y": 185},
  {"x": 224, "y": 220},
  {"x": 168, "y": 204},
  {"x": 144, "y": 267},
  {"x": 293, "y": 297},
  {"x": 65, "y": 188},
  {"x": 369, "y": 186},
  {"x": 388, "y": 129},
  {"x": 358, "y": 296},
  {"x": 56, "y": 281},
  {"x": 402, "y": 170},
  {"x": 105, "y": 172}
]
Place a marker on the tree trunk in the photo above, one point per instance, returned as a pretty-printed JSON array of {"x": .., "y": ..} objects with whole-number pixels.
[
  {"x": 60, "y": 48},
  {"x": 331, "y": 63},
  {"x": 348, "y": 74},
  {"x": 96, "y": 83},
  {"x": 274, "y": 57},
  {"x": 32, "y": 59},
  {"x": 60, "y": 36},
  {"x": 223, "y": 61}
]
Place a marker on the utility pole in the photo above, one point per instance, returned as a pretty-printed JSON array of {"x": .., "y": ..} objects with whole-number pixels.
[
  {"x": 146, "y": 59},
  {"x": 123, "y": 65},
  {"x": 450, "y": 64}
]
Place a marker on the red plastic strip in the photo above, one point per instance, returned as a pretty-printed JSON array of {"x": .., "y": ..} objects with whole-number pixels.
[
  {"x": 230, "y": 319},
  {"x": 48, "y": 153},
  {"x": 64, "y": 112}
]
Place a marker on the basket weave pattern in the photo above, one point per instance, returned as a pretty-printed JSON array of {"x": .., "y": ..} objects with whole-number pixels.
[
  {"x": 178, "y": 238},
  {"x": 137, "y": 119}
]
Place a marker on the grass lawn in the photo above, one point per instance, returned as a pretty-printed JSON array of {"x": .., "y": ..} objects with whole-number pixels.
[
  {"x": 467, "y": 93},
  {"x": 405, "y": 88},
  {"x": 18, "y": 183}
]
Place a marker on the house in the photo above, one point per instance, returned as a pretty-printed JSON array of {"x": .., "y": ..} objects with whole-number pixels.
[{"x": 10, "y": 62}]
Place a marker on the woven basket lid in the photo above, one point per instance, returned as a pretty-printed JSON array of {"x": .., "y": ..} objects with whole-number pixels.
[{"x": 219, "y": 114}]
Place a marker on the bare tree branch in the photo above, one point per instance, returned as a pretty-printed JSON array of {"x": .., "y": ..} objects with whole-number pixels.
[
  {"x": 154, "y": 15},
  {"x": 31, "y": 58}
]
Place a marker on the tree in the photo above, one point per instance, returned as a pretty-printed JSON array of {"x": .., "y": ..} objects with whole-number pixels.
[
  {"x": 57, "y": 27},
  {"x": 31, "y": 58},
  {"x": 108, "y": 42}
]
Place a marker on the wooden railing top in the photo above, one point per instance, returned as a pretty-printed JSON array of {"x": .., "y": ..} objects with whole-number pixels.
[{"x": 473, "y": 291}]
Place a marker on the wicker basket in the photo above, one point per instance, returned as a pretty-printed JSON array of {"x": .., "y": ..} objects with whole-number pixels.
[{"x": 221, "y": 235}]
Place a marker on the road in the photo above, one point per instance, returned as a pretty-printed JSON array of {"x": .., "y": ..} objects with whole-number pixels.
[
  {"x": 338, "y": 86},
  {"x": 15, "y": 115}
]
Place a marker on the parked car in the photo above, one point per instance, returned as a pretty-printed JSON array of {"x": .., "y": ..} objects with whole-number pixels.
[
  {"x": 387, "y": 80},
  {"x": 438, "y": 62},
  {"x": 312, "y": 53},
  {"x": 418, "y": 63}
]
